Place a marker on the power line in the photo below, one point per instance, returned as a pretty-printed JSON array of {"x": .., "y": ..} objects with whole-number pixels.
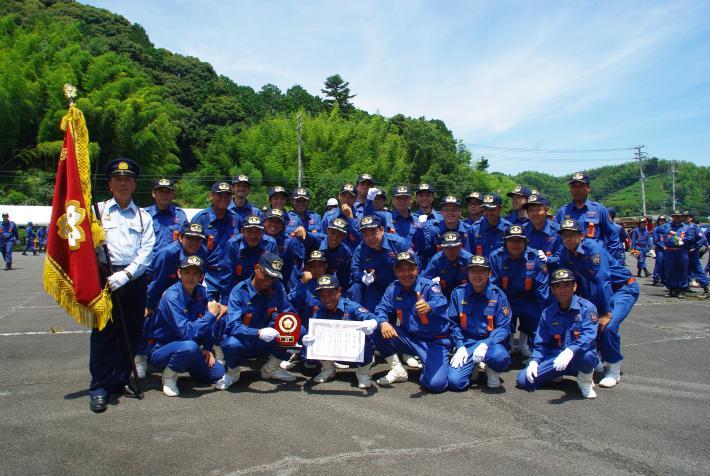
[{"x": 548, "y": 151}]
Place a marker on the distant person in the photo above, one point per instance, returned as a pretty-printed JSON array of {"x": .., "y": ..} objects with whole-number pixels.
[
  {"x": 42, "y": 239},
  {"x": 640, "y": 245},
  {"x": 424, "y": 197},
  {"x": 8, "y": 237},
  {"x": 519, "y": 197},
  {"x": 678, "y": 239},
  {"x": 241, "y": 187},
  {"x": 30, "y": 237},
  {"x": 331, "y": 204},
  {"x": 474, "y": 204},
  {"x": 695, "y": 269},
  {"x": 623, "y": 235},
  {"x": 658, "y": 237}
]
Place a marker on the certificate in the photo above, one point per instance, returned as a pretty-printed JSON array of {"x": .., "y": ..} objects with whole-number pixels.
[{"x": 336, "y": 340}]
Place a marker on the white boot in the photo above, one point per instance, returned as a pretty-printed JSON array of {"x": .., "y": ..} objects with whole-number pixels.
[
  {"x": 585, "y": 382},
  {"x": 327, "y": 371},
  {"x": 363, "y": 376},
  {"x": 396, "y": 374},
  {"x": 612, "y": 375},
  {"x": 170, "y": 388},
  {"x": 272, "y": 370},
  {"x": 523, "y": 345},
  {"x": 141, "y": 362},
  {"x": 493, "y": 378},
  {"x": 230, "y": 377},
  {"x": 411, "y": 361}
]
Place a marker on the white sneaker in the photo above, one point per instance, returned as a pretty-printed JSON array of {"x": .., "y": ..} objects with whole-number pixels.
[
  {"x": 170, "y": 388},
  {"x": 141, "y": 362},
  {"x": 612, "y": 376},
  {"x": 396, "y": 374},
  {"x": 493, "y": 378},
  {"x": 411, "y": 362},
  {"x": 272, "y": 370},
  {"x": 340, "y": 366},
  {"x": 230, "y": 377},
  {"x": 585, "y": 382},
  {"x": 290, "y": 363},
  {"x": 523, "y": 345},
  {"x": 327, "y": 372}
]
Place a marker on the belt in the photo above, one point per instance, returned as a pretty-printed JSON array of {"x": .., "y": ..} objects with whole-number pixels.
[{"x": 675, "y": 249}]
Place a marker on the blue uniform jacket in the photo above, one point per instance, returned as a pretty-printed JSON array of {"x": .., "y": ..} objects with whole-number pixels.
[
  {"x": 481, "y": 317},
  {"x": 29, "y": 233},
  {"x": 484, "y": 238},
  {"x": 166, "y": 225},
  {"x": 426, "y": 240},
  {"x": 640, "y": 239},
  {"x": 181, "y": 316},
  {"x": 9, "y": 232},
  {"x": 675, "y": 234},
  {"x": 435, "y": 215},
  {"x": 524, "y": 281},
  {"x": 398, "y": 304},
  {"x": 515, "y": 219},
  {"x": 547, "y": 240},
  {"x": 304, "y": 299},
  {"x": 404, "y": 227},
  {"x": 594, "y": 219},
  {"x": 239, "y": 261},
  {"x": 217, "y": 233},
  {"x": 291, "y": 251},
  {"x": 246, "y": 211},
  {"x": 346, "y": 310},
  {"x": 658, "y": 235},
  {"x": 164, "y": 271},
  {"x": 250, "y": 311},
  {"x": 353, "y": 238},
  {"x": 451, "y": 274},
  {"x": 575, "y": 329},
  {"x": 382, "y": 261},
  {"x": 311, "y": 222}
]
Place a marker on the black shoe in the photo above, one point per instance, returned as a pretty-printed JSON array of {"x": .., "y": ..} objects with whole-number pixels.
[
  {"x": 126, "y": 391},
  {"x": 24, "y": 254},
  {"x": 7, "y": 266},
  {"x": 646, "y": 273},
  {"x": 36, "y": 255},
  {"x": 638, "y": 275},
  {"x": 98, "y": 403}
]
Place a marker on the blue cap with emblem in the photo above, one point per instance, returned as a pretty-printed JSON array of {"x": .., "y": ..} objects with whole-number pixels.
[
  {"x": 561, "y": 275},
  {"x": 253, "y": 221},
  {"x": 348, "y": 188},
  {"x": 450, "y": 200},
  {"x": 406, "y": 257},
  {"x": 520, "y": 190},
  {"x": 164, "y": 183},
  {"x": 401, "y": 191},
  {"x": 477, "y": 261},
  {"x": 192, "y": 229},
  {"x": 272, "y": 265},
  {"x": 450, "y": 239},
  {"x": 327, "y": 281},
  {"x": 300, "y": 193},
  {"x": 425, "y": 187},
  {"x": 570, "y": 225},
  {"x": 241, "y": 179},
  {"x": 122, "y": 166},
  {"x": 365, "y": 178},
  {"x": 339, "y": 224},
  {"x": 370, "y": 221},
  {"x": 515, "y": 231},
  {"x": 536, "y": 199},
  {"x": 221, "y": 187},
  {"x": 579, "y": 177},
  {"x": 276, "y": 190},
  {"x": 275, "y": 213},
  {"x": 492, "y": 200},
  {"x": 193, "y": 260},
  {"x": 316, "y": 255},
  {"x": 474, "y": 196}
]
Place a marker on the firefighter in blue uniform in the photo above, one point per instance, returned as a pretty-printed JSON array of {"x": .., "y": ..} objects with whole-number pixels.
[
  {"x": 30, "y": 236},
  {"x": 487, "y": 235},
  {"x": 403, "y": 219},
  {"x": 519, "y": 272},
  {"x": 303, "y": 296},
  {"x": 424, "y": 197},
  {"x": 334, "y": 306},
  {"x": 480, "y": 317},
  {"x": 640, "y": 245},
  {"x": 375, "y": 205},
  {"x": 241, "y": 255},
  {"x": 289, "y": 248},
  {"x": 677, "y": 239},
  {"x": 608, "y": 285},
  {"x": 695, "y": 269},
  {"x": 363, "y": 185},
  {"x": 518, "y": 198},
  {"x": 277, "y": 198},
  {"x": 429, "y": 234},
  {"x": 542, "y": 233},
  {"x": 247, "y": 331},
  {"x": 448, "y": 267},
  {"x": 241, "y": 187},
  {"x": 8, "y": 236},
  {"x": 180, "y": 332},
  {"x": 658, "y": 236},
  {"x": 474, "y": 204},
  {"x": 301, "y": 216},
  {"x": 346, "y": 197},
  {"x": 219, "y": 224},
  {"x": 565, "y": 339},
  {"x": 168, "y": 219},
  {"x": 418, "y": 308},
  {"x": 41, "y": 238},
  {"x": 593, "y": 217},
  {"x": 623, "y": 236}
]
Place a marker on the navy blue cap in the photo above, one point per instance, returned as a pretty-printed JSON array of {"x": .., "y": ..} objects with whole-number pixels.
[
  {"x": 515, "y": 231},
  {"x": 328, "y": 281},
  {"x": 520, "y": 190},
  {"x": 406, "y": 256},
  {"x": 277, "y": 189},
  {"x": 339, "y": 224},
  {"x": 300, "y": 193},
  {"x": 579, "y": 177},
  {"x": 272, "y": 265},
  {"x": 316, "y": 255},
  {"x": 253, "y": 221},
  {"x": 122, "y": 166},
  {"x": 450, "y": 199},
  {"x": 192, "y": 229},
  {"x": 561, "y": 275},
  {"x": 474, "y": 196},
  {"x": 364, "y": 177},
  {"x": 686, "y": 213},
  {"x": 241, "y": 179},
  {"x": 425, "y": 187},
  {"x": 477, "y": 261},
  {"x": 677, "y": 213},
  {"x": 275, "y": 213},
  {"x": 492, "y": 200},
  {"x": 370, "y": 221},
  {"x": 450, "y": 239},
  {"x": 348, "y": 188},
  {"x": 401, "y": 191},
  {"x": 661, "y": 217},
  {"x": 570, "y": 225},
  {"x": 164, "y": 183},
  {"x": 221, "y": 187},
  {"x": 536, "y": 199},
  {"x": 381, "y": 193},
  {"x": 193, "y": 260}
]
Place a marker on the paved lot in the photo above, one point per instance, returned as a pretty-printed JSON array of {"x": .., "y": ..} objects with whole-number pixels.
[{"x": 656, "y": 422}]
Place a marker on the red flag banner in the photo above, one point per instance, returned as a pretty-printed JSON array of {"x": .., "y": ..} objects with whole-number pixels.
[{"x": 71, "y": 272}]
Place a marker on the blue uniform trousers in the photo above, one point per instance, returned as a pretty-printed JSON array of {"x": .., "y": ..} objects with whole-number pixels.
[
  {"x": 695, "y": 268},
  {"x": 6, "y": 249},
  {"x": 658, "y": 276},
  {"x": 583, "y": 362},
  {"x": 109, "y": 362},
  {"x": 641, "y": 258},
  {"x": 434, "y": 355},
  {"x": 30, "y": 246},
  {"x": 185, "y": 356},
  {"x": 676, "y": 268},
  {"x": 609, "y": 339},
  {"x": 238, "y": 349},
  {"x": 497, "y": 358}
]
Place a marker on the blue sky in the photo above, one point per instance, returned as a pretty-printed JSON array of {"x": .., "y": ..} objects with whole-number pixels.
[{"x": 540, "y": 76}]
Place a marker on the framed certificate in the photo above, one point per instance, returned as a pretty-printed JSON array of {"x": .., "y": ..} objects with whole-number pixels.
[{"x": 342, "y": 341}]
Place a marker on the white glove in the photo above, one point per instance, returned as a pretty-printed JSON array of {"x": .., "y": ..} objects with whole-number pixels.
[
  {"x": 562, "y": 361},
  {"x": 421, "y": 221},
  {"x": 372, "y": 193},
  {"x": 368, "y": 278},
  {"x": 541, "y": 254},
  {"x": 117, "y": 279},
  {"x": 267, "y": 334},
  {"x": 368, "y": 326},
  {"x": 308, "y": 340},
  {"x": 681, "y": 242},
  {"x": 531, "y": 371},
  {"x": 436, "y": 279},
  {"x": 651, "y": 254},
  {"x": 480, "y": 353},
  {"x": 460, "y": 357}
]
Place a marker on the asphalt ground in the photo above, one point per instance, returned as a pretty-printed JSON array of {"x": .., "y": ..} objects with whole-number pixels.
[{"x": 657, "y": 421}]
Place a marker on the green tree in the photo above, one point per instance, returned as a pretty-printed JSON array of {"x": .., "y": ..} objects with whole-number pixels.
[{"x": 337, "y": 92}]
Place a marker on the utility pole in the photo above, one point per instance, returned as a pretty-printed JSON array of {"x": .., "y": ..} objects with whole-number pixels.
[
  {"x": 639, "y": 157},
  {"x": 300, "y": 166},
  {"x": 673, "y": 182}
]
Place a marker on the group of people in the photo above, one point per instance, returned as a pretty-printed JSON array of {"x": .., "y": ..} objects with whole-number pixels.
[
  {"x": 428, "y": 288},
  {"x": 35, "y": 239}
]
